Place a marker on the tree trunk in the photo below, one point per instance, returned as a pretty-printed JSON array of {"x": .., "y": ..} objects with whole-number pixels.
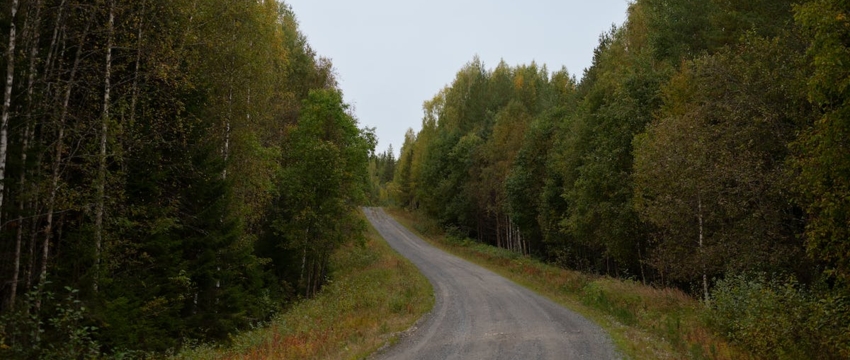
[
  {"x": 508, "y": 238},
  {"x": 7, "y": 100},
  {"x": 309, "y": 279},
  {"x": 702, "y": 250},
  {"x": 226, "y": 150},
  {"x": 135, "y": 90},
  {"x": 498, "y": 233},
  {"x": 101, "y": 171},
  {"x": 54, "y": 42},
  {"x": 36, "y": 24},
  {"x": 33, "y": 239},
  {"x": 640, "y": 262},
  {"x": 303, "y": 262}
]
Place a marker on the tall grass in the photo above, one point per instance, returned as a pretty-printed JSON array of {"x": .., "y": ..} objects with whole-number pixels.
[
  {"x": 645, "y": 322},
  {"x": 374, "y": 294}
]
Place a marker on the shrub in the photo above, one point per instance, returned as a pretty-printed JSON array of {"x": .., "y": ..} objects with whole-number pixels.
[
  {"x": 779, "y": 319},
  {"x": 59, "y": 331}
]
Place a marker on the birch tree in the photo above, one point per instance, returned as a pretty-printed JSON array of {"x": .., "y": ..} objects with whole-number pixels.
[
  {"x": 104, "y": 132},
  {"x": 7, "y": 99},
  {"x": 710, "y": 174}
]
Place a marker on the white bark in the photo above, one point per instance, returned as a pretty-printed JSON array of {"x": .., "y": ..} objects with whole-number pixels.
[
  {"x": 101, "y": 171},
  {"x": 7, "y": 100},
  {"x": 24, "y": 149}
]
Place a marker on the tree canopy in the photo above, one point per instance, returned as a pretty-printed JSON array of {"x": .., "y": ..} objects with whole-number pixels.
[
  {"x": 172, "y": 172},
  {"x": 708, "y": 140}
]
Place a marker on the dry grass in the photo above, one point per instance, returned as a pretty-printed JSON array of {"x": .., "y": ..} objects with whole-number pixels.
[
  {"x": 374, "y": 295},
  {"x": 645, "y": 322}
]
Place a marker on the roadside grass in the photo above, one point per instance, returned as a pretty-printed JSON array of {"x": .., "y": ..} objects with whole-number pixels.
[
  {"x": 644, "y": 322},
  {"x": 373, "y": 296}
]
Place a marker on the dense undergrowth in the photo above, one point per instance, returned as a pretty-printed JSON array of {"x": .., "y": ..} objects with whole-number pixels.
[{"x": 373, "y": 294}]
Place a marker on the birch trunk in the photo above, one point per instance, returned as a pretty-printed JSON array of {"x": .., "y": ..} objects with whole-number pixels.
[
  {"x": 7, "y": 100},
  {"x": 24, "y": 149},
  {"x": 101, "y": 171}
]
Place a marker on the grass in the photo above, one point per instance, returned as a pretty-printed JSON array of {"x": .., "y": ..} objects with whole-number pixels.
[
  {"x": 375, "y": 294},
  {"x": 644, "y": 322}
]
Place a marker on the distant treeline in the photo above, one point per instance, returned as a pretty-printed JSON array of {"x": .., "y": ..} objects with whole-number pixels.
[
  {"x": 707, "y": 148},
  {"x": 171, "y": 171}
]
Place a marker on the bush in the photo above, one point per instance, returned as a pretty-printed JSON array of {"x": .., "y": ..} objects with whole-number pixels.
[
  {"x": 59, "y": 331},
  {"x": 781, "y": 319}
]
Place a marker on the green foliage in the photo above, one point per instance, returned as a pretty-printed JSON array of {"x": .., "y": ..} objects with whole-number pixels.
[
  {"x": 823, "y": 150},
  {"x": 596, "y": 161},
  {"x": 375, "y": 295},
  {"x": 382, "y": 169},
  {"x": 456, "y": 167},
  {"x": 195, "y": 114},
  {"x": 779, "y": 319},
  {"x": 710, "y": 172},
  {"x": 324, "y": 170},
  {"x": 679, "y": 29},
  {"x": 61, "y": 331},
  {"x": 708, "y": 138},
  {"x": 401, "y": 188},
  {"x": 524, "y": 186}
]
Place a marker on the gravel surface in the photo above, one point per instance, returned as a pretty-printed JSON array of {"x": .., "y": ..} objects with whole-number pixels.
[{"x": 481, "y": 315}]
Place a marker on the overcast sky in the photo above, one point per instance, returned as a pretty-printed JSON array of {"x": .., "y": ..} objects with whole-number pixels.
[{"x": 392, "y": 55}]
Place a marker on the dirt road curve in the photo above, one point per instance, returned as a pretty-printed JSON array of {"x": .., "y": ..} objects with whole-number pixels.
[{"x": 481, "y": 315}]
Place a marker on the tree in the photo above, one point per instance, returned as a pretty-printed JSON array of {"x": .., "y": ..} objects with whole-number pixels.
[
  {"x": 710, "y": 172},
  {"x": 147, "y": 165},
  {"x": 324, "y": 166},
  {"x": 823, "y": 150}
]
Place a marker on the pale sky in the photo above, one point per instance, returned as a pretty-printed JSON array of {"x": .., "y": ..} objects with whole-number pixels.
[{"x": 392, "y": 55}]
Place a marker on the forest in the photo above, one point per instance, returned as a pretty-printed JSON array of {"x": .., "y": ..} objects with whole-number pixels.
[
  {"x": 707, "y": 148},
  {"x": 175, "y": 171},
  {"x": 171, "y": 172}
]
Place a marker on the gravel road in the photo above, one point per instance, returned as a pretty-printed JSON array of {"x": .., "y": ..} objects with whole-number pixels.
[{"x": 481, "y": 315}]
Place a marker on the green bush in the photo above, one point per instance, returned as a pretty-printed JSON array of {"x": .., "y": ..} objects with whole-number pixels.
[
  {"x": 779, "y": 319},
  {"x": 58, "y": 331}
]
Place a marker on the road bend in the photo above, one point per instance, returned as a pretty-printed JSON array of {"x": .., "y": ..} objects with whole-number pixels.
[{"x": 481, "y": 315}]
